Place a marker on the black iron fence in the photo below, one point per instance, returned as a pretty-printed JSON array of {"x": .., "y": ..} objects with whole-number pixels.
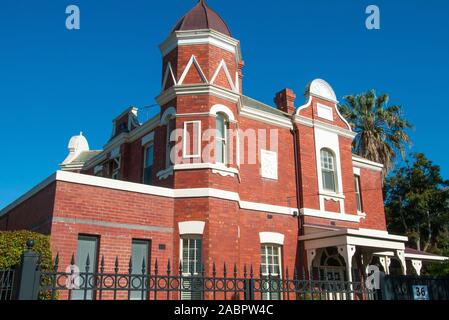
[
  {"x": 83, "y": 282},
  {"x": 7, "y": 281},
  {"x": 179, "y": 285}
]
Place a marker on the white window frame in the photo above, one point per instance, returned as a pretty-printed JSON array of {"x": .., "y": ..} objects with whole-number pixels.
[
  {"x": 264, "y": 246},
  {"x": 334, "y": 171},
  {"x": 358, "y": 193},
  {"x": 181, "y": 254},
  {"x": 223, "y": 141},
  {"x": 184, "y": 151}
]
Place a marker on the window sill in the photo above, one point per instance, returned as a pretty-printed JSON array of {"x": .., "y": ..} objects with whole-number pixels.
[{"x": 332, "y": 195}]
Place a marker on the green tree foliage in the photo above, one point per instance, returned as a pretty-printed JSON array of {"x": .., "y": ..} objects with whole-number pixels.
[
  {"x": 381, "y": 129},
  {"x": 417, "y": 204},
  {"x": 13, "y": 244}
]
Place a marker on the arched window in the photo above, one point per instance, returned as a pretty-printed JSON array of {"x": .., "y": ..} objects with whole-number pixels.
[
  {"x": 329, "y": 170},
  {"x": 222, "y": 139}
]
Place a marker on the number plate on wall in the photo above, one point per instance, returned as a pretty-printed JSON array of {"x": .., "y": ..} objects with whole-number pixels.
[{"x": 421, "y": 293}]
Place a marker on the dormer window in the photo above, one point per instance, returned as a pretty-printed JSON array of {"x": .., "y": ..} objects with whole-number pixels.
[
  {"x": 222, "y": 138},
  {"x": 329, "y": 171}
]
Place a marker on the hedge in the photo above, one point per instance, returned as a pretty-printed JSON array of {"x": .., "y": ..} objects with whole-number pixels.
[{"x": 13, "y": 244}]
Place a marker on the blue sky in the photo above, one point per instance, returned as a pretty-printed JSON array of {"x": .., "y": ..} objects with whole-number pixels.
[{"x": 55, "y": 83}]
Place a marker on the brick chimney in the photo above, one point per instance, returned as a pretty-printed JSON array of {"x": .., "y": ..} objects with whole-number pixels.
[{"x": 285, "y": 101}]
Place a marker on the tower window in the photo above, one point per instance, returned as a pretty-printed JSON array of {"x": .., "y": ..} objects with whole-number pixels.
[{"x": 221, "y": 138}]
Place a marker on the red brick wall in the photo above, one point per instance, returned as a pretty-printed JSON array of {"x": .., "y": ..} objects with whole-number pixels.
[
  {"x": 348, "y": 175},
  {"x": 34, "y": 214},
  {"x": 372, "y": 199},
  {"x": 307, "y": 165},
  {"x": 209, "y": 58},
  {"x": 231, "y": 235},
  {"x": 87, "y": 203}
]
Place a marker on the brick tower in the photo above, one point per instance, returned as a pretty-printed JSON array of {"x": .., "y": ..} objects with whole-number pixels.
[{"x": 201, "y": 88}]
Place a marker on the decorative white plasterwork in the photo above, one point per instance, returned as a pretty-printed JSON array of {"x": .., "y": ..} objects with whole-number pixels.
[
  {"x": 266, "y": 117},
  {"x": 269, "y": 164},
  {"x": 367, "y": 164},
  {"x": 76, "y": 146},
  {"x": 400, "y": 255},
  {"x": 191, "y": 228},
  {"x": 417, "y": 265},
  {"x": 325, "y": 112},
  {"x": 272, "y": 238},
  {"x": 192, "y": 61},
  {"x": 329, "y": 141},
  {"x": 425, "y": 257},
  {"x": 330, "y": 215},
  {"x": 211, "y": 37},
  {"x": 219, "y": 108},
  {"x": 322, "y": 89},
  {"x": 168, "y": 73},
  {"x": 223, "y": 66},
  {"x": 201, "y": 166},
  {"x": 325, "y": 126},
  {"x": 197, "y": 89}
]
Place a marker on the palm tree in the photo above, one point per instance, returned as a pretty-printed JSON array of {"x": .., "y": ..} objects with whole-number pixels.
[{"x": 381, "y": 129}]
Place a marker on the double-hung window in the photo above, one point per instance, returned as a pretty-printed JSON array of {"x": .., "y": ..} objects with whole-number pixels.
[
  {"x": 328, "y": 171},
  {"x": 271, "y": 271},
  {"x": 221, "y": 138},
  {"x": 191, "y": 268},
  {"x": 358, "y": 194}
]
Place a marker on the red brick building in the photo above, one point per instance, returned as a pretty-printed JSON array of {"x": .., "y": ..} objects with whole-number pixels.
[{"x": 218, "y": 176}]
